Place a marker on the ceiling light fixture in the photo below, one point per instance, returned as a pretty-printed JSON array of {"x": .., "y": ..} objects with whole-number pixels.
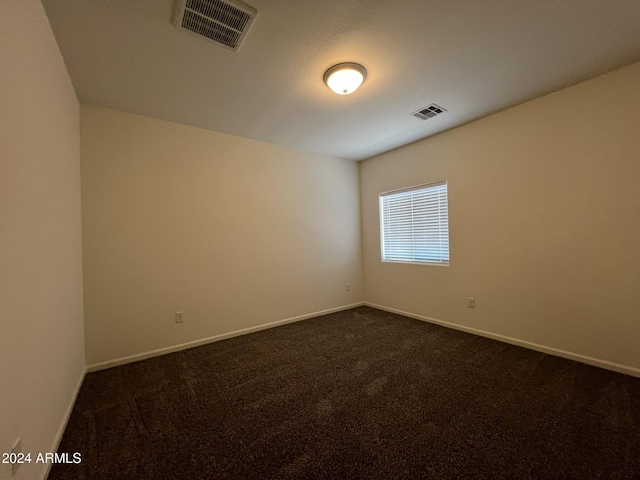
[{"x": 345, "y": 78}]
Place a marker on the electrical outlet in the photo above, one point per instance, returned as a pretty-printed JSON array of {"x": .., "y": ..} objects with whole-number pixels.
[
  {"x": 471, "y": 302},
  {"x": 348, "y": 287},
  {"x": 179, "y": 317},
  {"x": 15, "y": 450}
]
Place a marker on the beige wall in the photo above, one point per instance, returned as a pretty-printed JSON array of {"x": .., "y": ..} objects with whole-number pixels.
[
  {"x": 544, "y": 213},
  {"x": 234, "y": 232},
  {"x": 41, "y": 332}
]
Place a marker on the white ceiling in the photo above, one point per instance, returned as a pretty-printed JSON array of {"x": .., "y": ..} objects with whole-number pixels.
[{"x": 472, "y": 57}]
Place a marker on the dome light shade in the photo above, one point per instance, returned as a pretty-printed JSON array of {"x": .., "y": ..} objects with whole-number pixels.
[{"x": 345, "y": 78}]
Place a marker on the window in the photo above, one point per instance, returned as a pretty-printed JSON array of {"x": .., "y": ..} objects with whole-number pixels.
[{"x": 414, "y": 224}]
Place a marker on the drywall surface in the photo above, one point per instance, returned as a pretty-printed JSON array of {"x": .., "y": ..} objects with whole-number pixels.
[
  {"x": 233, "y": 232},
  {"x": 544, "y": 219},
  {"x": 41, "y": 344}
]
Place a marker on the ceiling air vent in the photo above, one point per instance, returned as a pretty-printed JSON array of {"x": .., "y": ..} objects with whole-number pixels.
[
  {"x": 428, "y": 112},
  {"x": 225, "y": 22}
]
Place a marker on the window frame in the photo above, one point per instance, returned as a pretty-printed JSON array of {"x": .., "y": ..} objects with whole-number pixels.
[{"x": 425, "y": 186}]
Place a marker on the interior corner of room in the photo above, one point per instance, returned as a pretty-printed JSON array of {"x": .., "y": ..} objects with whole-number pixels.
[{"x": 130, "y": 235}]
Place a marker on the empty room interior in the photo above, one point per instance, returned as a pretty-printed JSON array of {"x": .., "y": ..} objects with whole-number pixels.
[{"x": 319, "y": 239}]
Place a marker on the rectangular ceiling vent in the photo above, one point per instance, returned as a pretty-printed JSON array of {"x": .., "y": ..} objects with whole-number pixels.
[
  {"x": 428, "y": 112},
  {"x": 225, "y": 22}
]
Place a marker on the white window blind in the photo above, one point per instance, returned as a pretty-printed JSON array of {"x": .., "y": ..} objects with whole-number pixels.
[{"x": 415, "y": 224}]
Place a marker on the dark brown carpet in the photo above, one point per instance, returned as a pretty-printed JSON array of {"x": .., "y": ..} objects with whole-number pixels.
[{"x": 357, "y": 394}]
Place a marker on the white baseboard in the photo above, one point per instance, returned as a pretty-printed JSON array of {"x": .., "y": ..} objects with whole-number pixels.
[
  {"x": 63, "y": 424},
  {"x": 196, "y": 343},
  {"x": 616, "y": 367}
]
